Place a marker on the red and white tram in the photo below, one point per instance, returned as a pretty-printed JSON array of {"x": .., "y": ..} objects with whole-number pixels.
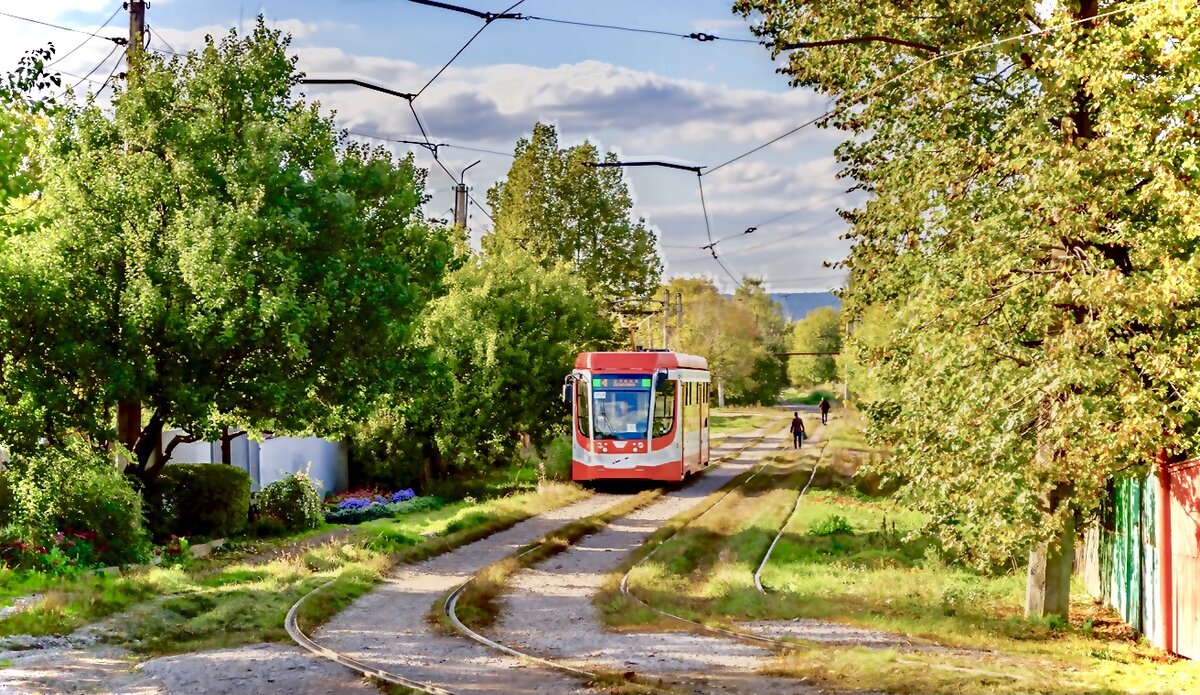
[{"x": 638, "y": 415}]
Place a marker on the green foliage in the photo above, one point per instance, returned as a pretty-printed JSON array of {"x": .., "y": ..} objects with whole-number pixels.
[
  {"x": 1032, "y": 231},
  {"x": 293, "y": 500},
  {"x": 506, "y": 333},
  {"x": 383, "y": 511},
  {"x": 387, "y": 448},
  {"x": 198, "y": 499},
  {"x": 726, "y": 332},
  {"x": 560, "y": 211},
  {"x": 832, "y": 525},
  {"x": 72, "y": 489},
  {"x": 819, "y": 331},
  {"x": 204, "y": 249}
]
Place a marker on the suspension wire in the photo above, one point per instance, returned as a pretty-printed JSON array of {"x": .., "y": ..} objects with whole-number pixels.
[
  {"x": 159, "y": 36},
  {"x": 438, "y": 145},
  {"x": 845, "y": 105},
  {"x": 487, "y": 21},
  {"x": 802, "y": 232},
  {"x": 708, "y": 231},
  {"x": 695, "y": 36},
  {"x": 85, "y": 41},
  {"x": 481, "y": 208},
  {"x": 88, "y": 76},
  {"x": 112, "y": 72},
  {"x": 116, "y": 40}
]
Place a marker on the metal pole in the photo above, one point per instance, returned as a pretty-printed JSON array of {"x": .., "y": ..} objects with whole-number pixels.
[
  {"x": 679, "y": 318},
  {"x": 666, "y": 318},
  {"x": 460, "y": 205}
]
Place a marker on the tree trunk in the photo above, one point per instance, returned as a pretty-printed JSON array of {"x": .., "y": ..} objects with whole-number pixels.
[
  {"x": 227, "y": 445},
  {"x": 129, "y": 424},
  {"x": 1048, "y": 588}
]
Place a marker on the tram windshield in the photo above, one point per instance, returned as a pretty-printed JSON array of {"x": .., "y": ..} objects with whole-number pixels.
[{"x": 621, "y": 406}]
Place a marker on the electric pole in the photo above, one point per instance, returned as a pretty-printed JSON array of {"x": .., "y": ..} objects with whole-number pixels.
[
  {"x": 460, "y": 197},
  {"x": 679, "y": 319},
  {"x": 666, "y": 318},
  {"x": 129, "y": 411},
  {"x": 137, "y": 30},
  {"x": 460, "y": 205}
]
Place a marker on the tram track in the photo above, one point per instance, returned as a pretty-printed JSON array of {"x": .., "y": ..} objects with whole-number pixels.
[
  {"x": 537, "y": 552},
  {"x": 420, "y": 682}
]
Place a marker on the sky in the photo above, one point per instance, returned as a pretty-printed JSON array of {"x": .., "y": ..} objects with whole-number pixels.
[{"x": 643, "y": 96}]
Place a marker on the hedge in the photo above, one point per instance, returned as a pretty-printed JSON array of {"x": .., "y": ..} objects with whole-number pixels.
[{"x": 209, "y": 500}]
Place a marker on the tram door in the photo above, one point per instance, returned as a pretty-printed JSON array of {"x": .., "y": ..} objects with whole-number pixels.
[{"x": 704, "y": 424}]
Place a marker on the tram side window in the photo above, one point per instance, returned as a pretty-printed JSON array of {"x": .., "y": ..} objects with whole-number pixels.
[
  {"x": 664, "y": 408},
  {"x": 582, "y": 407}
]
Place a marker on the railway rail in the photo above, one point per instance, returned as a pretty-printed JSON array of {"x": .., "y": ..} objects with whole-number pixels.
[{"x": 300, "y": 637}]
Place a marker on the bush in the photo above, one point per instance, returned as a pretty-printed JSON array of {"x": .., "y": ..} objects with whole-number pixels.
[
  {"x": 357, "y": 515},
  {"x": 74, "y": 501},
  {"x": 832, "y": 525},
  {"x": 293, "y": 500},
  {"x": 198, "y": 499}
]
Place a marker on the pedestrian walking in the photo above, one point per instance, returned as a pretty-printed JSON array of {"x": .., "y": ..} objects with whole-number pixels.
[
  {"x": 798, "y": 433},
  {"x": 824, "y": 406}
]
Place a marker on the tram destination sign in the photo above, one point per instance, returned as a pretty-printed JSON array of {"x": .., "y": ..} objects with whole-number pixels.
[{"x": 620, "y": 383}]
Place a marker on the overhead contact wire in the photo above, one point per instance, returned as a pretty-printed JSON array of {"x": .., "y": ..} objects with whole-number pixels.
[{"x": 941, "y": 56}]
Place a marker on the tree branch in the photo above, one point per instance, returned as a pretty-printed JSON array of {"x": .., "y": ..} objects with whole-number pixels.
[{"x": 860, "y": 39}]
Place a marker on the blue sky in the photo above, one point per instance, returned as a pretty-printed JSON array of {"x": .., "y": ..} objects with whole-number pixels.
[{"x": 641, "y": 95}]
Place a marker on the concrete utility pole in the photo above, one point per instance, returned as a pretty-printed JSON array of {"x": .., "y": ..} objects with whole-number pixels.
[
  {"x": 679, "y": 320},
  {"x": 129, "y": 413},
  {"x": 460, "y": 205},
  {"x": 666, "y": 318},
  {"x": 460, "y": 197},
  {"x": 137, "y": 30}
]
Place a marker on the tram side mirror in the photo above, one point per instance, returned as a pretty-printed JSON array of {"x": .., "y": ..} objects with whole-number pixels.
[
  {"x": 568, "y": 394},
  {"x": 660, "y": 378}
]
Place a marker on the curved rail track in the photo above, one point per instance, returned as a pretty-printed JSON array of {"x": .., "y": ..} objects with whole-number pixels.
[{"x": 292, "y": 626}]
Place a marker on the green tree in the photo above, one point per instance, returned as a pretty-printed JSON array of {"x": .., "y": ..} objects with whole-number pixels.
[
  {"x": 222, "y": 256},
  {"x": 726, "y": 333},
  {"x": 558, "y": 209},
  {"x": 770, "y": 370},
  {"x": 819, "y": 331},
  {"x": 1033, "y": 223},
  {"x": 506, "y": 333}
]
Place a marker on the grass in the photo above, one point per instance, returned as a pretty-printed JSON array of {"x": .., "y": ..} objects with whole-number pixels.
[
  {"x": 479, "y": 604},
  {"x": 863, "y": 560},
  {"x": 809, "y": 396},
  {"x": 235, "y": 598},
  {"x": 728, "y": 422}
]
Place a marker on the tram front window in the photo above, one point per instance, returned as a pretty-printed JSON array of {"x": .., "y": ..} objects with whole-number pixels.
[{"x": 621, "y": 414}]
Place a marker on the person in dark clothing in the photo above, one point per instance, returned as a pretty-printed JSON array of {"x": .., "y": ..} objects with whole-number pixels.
[
  {"x": 798, "y": 433},
  {"x": 824, "y": 406}
]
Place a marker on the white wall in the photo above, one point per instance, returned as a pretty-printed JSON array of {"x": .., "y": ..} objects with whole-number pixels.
[{"x": 274, "y": 459}]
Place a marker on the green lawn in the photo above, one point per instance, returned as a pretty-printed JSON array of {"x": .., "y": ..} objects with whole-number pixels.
[
  {"x": 861, "y": 560},
  {"x": 233, "y": 598}
]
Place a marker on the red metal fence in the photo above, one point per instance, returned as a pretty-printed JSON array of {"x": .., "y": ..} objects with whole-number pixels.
[{"x": 1143, "y": 557}]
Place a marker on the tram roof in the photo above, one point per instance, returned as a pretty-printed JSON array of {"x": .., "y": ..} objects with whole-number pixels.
[{"x": 645, "y": 361}]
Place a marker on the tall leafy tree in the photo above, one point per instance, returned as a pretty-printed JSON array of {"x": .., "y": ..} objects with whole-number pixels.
[
  {"x": 726, "y": 333},
  {"x": 770, "y": 370},
  {"x": 819, "y": 331},
  {"x": 558, "y": 209},
  {"x": 506, "y": 334},
  {"x": 224, "y": 256},
  {"x": 1034, "y": 222}
]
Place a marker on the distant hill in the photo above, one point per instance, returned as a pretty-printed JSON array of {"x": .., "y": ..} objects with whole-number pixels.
[{"x": 796, "y": 305}]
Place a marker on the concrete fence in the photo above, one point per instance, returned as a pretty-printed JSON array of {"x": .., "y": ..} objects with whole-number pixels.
[{"x": 274, "y": 459}]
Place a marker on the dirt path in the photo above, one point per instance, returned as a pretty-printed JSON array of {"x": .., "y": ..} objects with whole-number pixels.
[
  {"x": 549, "y": 612},
  {"x": 386, "y": 629}
]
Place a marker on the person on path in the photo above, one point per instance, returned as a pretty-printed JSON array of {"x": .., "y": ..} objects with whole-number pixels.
[
  {"x": 798, "y": 433},
  {"x": 824, "y": 406}
]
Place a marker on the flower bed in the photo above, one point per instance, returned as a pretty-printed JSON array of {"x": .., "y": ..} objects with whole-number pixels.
[{"x": 358, "y": 506}]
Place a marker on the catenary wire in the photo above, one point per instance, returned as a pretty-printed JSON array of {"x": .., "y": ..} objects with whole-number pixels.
[
  {"x": 158, "y": 35},
  {"x": 112, "y": 72},
  {"x": 708, "y": 231},
  {"x": 88, "y": 76},
  {"x": 439, "y": 145},
  {"x": 942, "y": 56},
  {"x": 60, "y": 26},
  {"x": 695, "y": 36},
  {"x": 85, "y": 41},
  {"x": 486, "y": 24}
]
